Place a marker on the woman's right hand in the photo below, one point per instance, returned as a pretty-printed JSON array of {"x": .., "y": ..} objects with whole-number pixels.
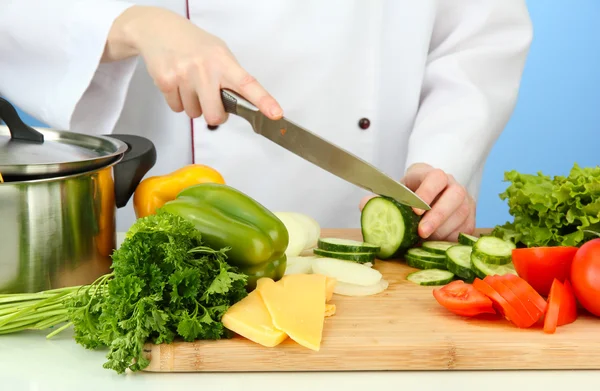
[{"x": 188, "y": 65}]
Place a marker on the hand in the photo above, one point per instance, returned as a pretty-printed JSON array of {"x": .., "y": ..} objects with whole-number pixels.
[
  {"x": 452, "y": 208},
  {"x": 187, "y": 64}
]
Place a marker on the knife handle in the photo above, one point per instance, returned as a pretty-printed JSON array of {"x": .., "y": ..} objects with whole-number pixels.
[{"x": 235, "y": 104}]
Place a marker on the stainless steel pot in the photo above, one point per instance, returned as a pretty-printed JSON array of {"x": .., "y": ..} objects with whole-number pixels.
[{"x": 58, "y": 202}]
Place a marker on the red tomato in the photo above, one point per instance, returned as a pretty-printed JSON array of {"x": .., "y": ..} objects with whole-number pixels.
[
  {"x": 526, "y": 295},
  {"x": 462, "y": 299},
  {"x": 539, "y": 266},
  {"x": 568, "y": 306},
  {"x": 507, "y": 310},
  {"x": 523, "y": 318},
  {"x": 554, "y": 300},
  {"x": 585, "y": 276}
]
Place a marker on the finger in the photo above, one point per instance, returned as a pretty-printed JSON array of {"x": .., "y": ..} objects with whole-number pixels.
[
  {"x": 209, "y": 93},
  {"x": 242, "y": 82},
  {"x": 364, "y": 201},
  {"x": 173, "y": 99},
  {"x": 450, "y": 200},
  {"x": 455, "y": 222},
  {"x": 190, "y": 100},
  {"x": 434, "y": 182}
]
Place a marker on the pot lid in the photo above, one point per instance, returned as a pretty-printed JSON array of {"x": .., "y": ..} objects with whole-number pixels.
[{"x": 33, "y": 153}]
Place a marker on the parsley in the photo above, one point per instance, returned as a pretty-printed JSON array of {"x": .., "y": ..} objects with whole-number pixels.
[{"x": 164, "y": 285}]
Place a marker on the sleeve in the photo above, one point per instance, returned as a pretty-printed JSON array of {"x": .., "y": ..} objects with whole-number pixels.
[
  {"x": 477, "y": 54},
  {"x": 50, "y": 62}
]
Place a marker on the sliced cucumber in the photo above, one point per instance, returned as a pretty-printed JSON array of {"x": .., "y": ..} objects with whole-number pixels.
[
  {"x": 482, "y": 269},
  {"x": 466, "y": 239},
  {"x": 424, "y": 255},
  {"x": 458, "y": 261},
  {"x": 356, "y": 257},
  {"x": 418, "y": 263},
  {"x": 346, "y": 246},
  {"x": 493, "y": 250},
  {"x": 431, "y": 277},
  {"x": 389, "y": 225},
  {"x": 437, "y": 246}
]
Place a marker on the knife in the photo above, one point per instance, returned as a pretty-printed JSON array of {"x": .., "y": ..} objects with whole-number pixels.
[{"x": 320, "y": 152}]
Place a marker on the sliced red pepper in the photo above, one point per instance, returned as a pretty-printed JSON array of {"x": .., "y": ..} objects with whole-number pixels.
[
  {"x": 463, "y": 299},
  {"x": 524, "y": 319},
  {"x": 568, "y": 306},
  {"x": 554, "y": 302},
  {"x": 524, "y": 296},
  {"x": 524, "y": 288},
  {"x": 503, "y": 307}
]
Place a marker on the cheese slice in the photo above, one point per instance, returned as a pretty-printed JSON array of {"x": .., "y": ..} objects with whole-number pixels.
[
  {"x": 329, "y": 310},
  {"x": 250, "y": 318},
  {"x": 329, "y": 287},
  {"x": 297, "y": 306}
]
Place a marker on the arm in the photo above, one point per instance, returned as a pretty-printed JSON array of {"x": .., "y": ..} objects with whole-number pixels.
[
  {"x": 51, "y": 62},
  {"x": 477, "y": 54}
]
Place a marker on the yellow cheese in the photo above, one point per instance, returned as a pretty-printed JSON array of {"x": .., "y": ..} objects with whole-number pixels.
[
  {"x": 329, "y": 287},
  {"x": 297, "y": 306},
  {"x": 250, "y": 318},
  {"x": 329, "y": 310}
]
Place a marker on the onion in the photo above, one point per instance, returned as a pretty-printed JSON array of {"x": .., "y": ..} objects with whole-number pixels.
[
  {"x": 299, "y": 265},
  {"x": 344, "y": 289},
  {"x": 346, "y": 271}
]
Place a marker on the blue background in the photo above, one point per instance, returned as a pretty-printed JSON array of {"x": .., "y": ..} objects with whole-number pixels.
[{"x": 557, "y": 115}]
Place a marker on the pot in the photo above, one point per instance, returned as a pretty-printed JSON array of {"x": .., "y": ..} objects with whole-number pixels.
[{"x": 58, "y": 202}]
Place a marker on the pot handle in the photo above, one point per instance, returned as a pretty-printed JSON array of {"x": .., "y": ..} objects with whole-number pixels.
[
  {"x": 137, "y": 161},
  {"x": 19, "y": 130}
]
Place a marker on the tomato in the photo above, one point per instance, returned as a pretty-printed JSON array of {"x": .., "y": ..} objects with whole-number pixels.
[
  {"x": 523, "y": 318},
  {"x": 522, "y": 288},
  {"x": 526, "y": 295},
  {"x": 507, "y": 310},
  {"x": 539, "y": 266},
  {"x": 554, "y": 299},
  {"x": 462, "y": 299},
  {"x": 585, "y": 276},
  {"x": 568, "y": 306}
]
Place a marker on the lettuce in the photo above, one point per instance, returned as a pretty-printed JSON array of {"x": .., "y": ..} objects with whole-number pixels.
[{"x": 559, "y": 211}]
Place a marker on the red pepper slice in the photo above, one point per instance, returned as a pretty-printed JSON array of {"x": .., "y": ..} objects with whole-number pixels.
[
  {"x": 524, "y": 319},
  {"x": 554, "y": 302},
  {"x": 503, "y": 307}
]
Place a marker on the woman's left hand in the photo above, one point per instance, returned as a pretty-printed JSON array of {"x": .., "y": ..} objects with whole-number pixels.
[{"x": 452, "y": 211}]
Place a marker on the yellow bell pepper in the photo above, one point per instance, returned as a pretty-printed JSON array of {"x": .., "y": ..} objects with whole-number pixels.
[{"x": 154, "y": 192}]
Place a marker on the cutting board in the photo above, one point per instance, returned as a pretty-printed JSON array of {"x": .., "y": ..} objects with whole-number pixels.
[{"x": 403, "y": 328}]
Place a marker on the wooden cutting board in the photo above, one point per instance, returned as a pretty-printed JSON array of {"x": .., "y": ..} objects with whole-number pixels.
[{"x": 403, "y": 328}]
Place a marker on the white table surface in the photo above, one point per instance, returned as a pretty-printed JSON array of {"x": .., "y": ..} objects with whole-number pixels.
[{"x": 28, "y": 361}]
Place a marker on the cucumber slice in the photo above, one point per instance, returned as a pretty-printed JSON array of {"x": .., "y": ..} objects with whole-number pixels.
[
  {"x": 418, "y": 263},
  {"x": 346, "y": 246},
  {"x": 424, "y": 255},
  {"x": 355, "y": 257},
  {"x": 389, "y": 225},
  {"x": 466, "y": 239},
  {"x": 431, "y": 277},
  {"x": 458, "y": 261},
  {"x": 437, "y": 246},
  {"x": 493, "y": 250},
  {"x": 482, "y": 269}
]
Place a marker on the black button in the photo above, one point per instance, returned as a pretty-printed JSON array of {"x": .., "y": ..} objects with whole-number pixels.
[
  {"x": 364, "y": 123},
  {"x": 212, "y": 127}
]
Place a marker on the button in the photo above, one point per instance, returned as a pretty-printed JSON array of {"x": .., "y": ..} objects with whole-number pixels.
[
  {"x": 212, "y": 127},
  {"x": 364, "y": 123}
]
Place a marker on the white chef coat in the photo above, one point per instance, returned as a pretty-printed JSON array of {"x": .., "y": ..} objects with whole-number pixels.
[{"x": 436, "y": 80}]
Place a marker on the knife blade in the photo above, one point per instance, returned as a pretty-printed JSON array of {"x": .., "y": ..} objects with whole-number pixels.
[{"x": 321, "y": 152}]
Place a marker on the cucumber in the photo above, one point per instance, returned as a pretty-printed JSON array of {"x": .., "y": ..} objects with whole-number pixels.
[
  {"x": 437, "y": 246},
  {"x": 483, "y": 269},
  {"x": 424, "y": 255},
  {"x": 356, "y": 257},
  {"x": 431, "y": 277},
  {"x": 493, "y": 250},
  {"x": 458, "y": 261},
  {"x": 346, "y": 246},
  {"x": 418, "y": 263},
  {"x": 390, "y": 225},
  {"x": 466, "y": 239}
]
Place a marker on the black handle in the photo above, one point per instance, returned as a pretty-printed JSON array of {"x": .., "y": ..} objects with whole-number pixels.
[
  {"x": 129, "y": 172},
  {"x": 19, "y": 130}
]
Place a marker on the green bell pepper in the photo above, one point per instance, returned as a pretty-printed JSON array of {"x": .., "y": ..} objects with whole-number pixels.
[{"x": 226, "y": 217}]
